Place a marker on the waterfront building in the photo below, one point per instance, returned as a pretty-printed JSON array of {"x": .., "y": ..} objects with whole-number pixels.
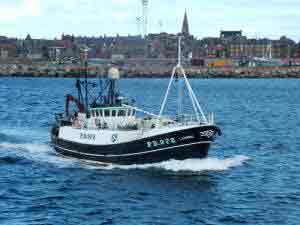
[
  {"x": 161, "y": 45},
  {"x": 56, "y": 52},
  {"x": 230, "y": 44},
  {"x": 104, "y": 47},
  {"x": 8, "y": 51},
  {"x": 71, "y": 47},
  {"x": 230, "y": 35},
  {"x": 209, "y": 47},
  {"x": 8, "y": 47},
  {"x": 3, "y": 54},
  {"x": 283, "y": 48}
]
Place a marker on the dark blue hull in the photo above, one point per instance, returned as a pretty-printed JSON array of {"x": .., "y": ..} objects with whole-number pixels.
[{"x": 179, "y": 145}]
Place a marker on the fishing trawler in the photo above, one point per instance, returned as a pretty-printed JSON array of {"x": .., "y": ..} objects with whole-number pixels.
[{"x": 108, "y": 129}]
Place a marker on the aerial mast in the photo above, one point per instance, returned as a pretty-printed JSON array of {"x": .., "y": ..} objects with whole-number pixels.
[
  {"x": 145, "y": 4},
  {"x": 138, "y": 21}
]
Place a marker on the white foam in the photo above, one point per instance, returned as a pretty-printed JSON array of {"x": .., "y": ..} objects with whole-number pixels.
[
  {"x": 45, "y": 153},
  {"x": 189, "y": 165},
  {"x": 38, "y": 152}
]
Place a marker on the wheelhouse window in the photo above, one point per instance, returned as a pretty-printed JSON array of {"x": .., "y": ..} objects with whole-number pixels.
[
  {"x": 106, "y": 112},
  {"x": 97, "y": 113},
  {"x": 122, "y": 112},
  {"x": 113, "y": 113}
]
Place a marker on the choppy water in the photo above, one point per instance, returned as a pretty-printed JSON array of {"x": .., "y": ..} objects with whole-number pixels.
[{"x": 251, "y": 177}]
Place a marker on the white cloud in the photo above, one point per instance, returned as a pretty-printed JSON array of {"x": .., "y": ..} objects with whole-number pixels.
[
  {"x": 122, "y": 2},
  {"x": 25, "y": 8}
]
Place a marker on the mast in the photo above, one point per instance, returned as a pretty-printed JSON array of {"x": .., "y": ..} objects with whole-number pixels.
[
  {"x": 86, "y": 87},
  {"x": 113, "y": 76},
  {"x": 78, "y": 86},
  {"x": 86, "y": 83},
  {"x": 180, "y": 71},
  {"x": 180, "y": 94},
  {"x": 270, "y": 49},
  {"x": 86, "y": 78},
  {"x": 111, "y": 92},
  {"x": 179, "y": 51}
]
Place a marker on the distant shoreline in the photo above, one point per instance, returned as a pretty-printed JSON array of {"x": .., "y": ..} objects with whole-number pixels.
[
  {"x": 165, "y": 72},
  {"x": 154, "y": 77}
]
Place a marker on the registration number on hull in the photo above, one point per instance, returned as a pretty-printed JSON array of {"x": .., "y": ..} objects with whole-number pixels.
[
  {"x": 207, "y": 133},
  {"x": 86, "y": 136},
  {"x": 161, "y": 142}
]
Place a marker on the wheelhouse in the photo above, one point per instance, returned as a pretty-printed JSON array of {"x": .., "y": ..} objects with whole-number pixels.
[
  {"x": 112, "y": 117},
  {"x": 112, "y": 112}
]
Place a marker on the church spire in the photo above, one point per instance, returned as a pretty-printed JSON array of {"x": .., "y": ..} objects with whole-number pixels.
[{"x": 185, "y": 25}]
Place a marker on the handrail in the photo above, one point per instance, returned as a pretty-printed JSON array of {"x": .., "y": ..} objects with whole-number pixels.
[{"x": 140, "y": 110}]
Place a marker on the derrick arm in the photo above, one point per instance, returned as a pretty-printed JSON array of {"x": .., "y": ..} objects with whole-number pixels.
[{"x": 79, "y": 105}]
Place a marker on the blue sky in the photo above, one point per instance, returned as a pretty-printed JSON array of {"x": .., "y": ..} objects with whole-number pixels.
[{"x": 50, "y": 18}]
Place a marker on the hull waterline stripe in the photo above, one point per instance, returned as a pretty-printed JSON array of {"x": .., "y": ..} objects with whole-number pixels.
[
  {"x": 86, "y": 160},
  {"x": 132, "y": 154}
]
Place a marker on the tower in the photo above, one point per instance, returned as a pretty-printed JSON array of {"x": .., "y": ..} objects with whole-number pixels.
[
  {"x": 185, "y": 25},
  {"x": 138, "y": 23},
  {"x": 145, "y": 4}
]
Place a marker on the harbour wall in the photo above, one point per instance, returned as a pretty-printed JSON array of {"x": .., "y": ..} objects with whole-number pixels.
[{"x": 44, "y": 70}]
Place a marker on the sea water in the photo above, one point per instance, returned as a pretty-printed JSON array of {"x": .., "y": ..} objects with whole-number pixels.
[{"x": 252, "y": 174}]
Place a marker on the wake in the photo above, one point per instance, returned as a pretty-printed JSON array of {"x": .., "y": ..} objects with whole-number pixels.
[
  {"x": 45, "y": 153},
  {"x": 191, "y": 165},
  {"x": 38, "y": 153}
]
